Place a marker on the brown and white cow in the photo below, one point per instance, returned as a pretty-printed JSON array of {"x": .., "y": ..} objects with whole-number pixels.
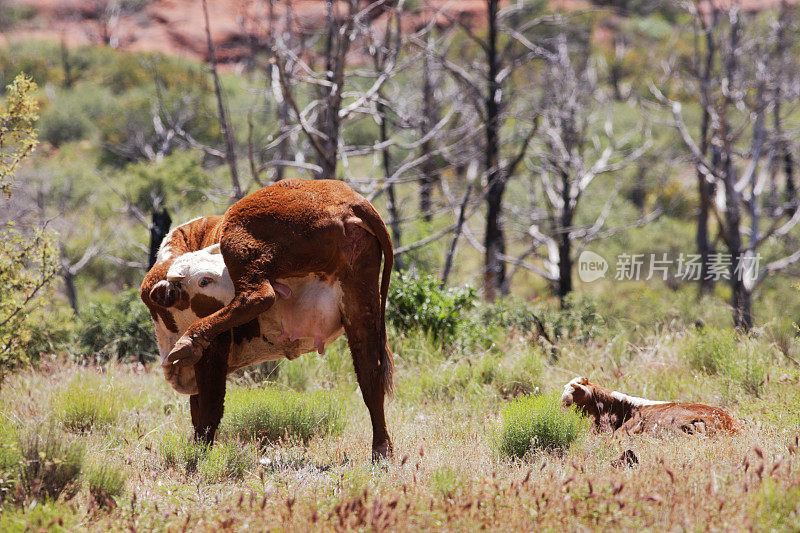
[
  {"x": 285, "y": 271},
  {"x": 639, "y": 415}
]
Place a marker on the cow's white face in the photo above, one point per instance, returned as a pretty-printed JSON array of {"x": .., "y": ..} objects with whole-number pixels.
[{"x": 202, "y": 272}]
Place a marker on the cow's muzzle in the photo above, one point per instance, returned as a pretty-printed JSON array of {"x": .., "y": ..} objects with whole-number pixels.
[{"x": 165, "y": 293}]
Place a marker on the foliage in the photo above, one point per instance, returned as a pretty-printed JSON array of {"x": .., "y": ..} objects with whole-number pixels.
[
  {"x": 63, "y": 124},
  {"x": 118, "y": 329},
  {"x": 51, "y": 462},
  {"x": 269, "y": 414},
  {"x": 182, "y": 453},
  {"x": 18, "y": 118},
  {"x": 419, "y": 303},
  {"x": 538, "y": 423},
  {"x": 28, "y": 265},
  {"x": 106, "y": 481},
  {"x": 743, "y": 361}
]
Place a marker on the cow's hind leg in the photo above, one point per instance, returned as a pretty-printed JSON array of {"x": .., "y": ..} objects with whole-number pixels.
[
  {"x": 371, "y": 357},
  {"x": 208, "y": 404}
]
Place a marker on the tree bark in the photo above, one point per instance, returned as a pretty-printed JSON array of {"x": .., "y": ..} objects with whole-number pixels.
[{"x": 494, "y": 240}]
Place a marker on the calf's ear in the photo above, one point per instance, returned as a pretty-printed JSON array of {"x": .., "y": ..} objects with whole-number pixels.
[{"x": 164, "y": 294}]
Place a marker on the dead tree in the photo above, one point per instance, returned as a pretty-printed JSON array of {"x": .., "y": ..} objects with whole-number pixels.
[
  {"x": 743, "y": 91},
  {"x": 486, "y": 81},
  {"x": 568, "y": 157}
]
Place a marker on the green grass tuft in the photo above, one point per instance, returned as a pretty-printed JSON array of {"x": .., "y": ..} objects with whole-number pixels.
[
  {"x": 538, "y": 423},
  {"x": 270, "y": 414},
  {"x": 227, "y": 461},
  {"x": 51, "y": 463},
  {"x": 106, "y": 481},
  {"x": 88, "y": 403}
]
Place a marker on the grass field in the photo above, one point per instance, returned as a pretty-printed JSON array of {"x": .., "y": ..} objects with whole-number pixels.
[{"x": 139, "y": 470}]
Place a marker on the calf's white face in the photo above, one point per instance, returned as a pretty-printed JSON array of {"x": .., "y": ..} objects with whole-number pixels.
[{"x": 576, "y": 391}]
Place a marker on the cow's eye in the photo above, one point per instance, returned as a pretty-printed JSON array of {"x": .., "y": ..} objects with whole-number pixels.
[{"x": 205, "y": 281}]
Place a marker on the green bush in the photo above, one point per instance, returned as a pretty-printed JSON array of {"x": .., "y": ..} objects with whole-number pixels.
[
  {"x": 269, "y": 414},
  {"x": 106, "y": 481},
  {"x": 121, "y": 328},
  {"x": 419, "y": 304},
  {"x": 89, "y": 403},
  {"x": 741, "y": 360},
  {"x": 62, "y": 124},
  {"x": 51, "y": 463},
  {"x": 538, "y": 423},
  {"x": 577, "y": 320}
]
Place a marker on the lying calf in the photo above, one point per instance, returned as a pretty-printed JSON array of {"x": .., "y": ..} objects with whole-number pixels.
[{"x": 638, "y": 415}]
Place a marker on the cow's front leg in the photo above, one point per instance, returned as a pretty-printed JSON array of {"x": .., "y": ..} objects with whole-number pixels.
[{"x": 209, "y": 402}]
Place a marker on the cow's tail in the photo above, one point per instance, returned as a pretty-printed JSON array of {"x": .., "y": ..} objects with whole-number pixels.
[{"x": 370, "y": 216}]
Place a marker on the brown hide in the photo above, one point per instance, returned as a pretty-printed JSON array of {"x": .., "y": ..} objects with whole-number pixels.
[
  {"x": 290, "y": 229},
  {"x": 691, "y": 418}
]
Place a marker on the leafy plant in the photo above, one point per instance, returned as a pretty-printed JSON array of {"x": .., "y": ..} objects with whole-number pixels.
[
  {"x": 121, "y": 328},
  {"x": 29, "y": 264},
  {"x": 418, "y": 303},
  {"x": 538, "y": 423}
]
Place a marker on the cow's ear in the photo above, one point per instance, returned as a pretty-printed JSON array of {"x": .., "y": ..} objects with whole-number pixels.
[
  {"x": 164, "y": 294},
  {"x": 213, "y": 249}
]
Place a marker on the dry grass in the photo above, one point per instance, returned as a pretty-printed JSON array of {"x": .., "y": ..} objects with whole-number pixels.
[{"x": 446, "y": 474}]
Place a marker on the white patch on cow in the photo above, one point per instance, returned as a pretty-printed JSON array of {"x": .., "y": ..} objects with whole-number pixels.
[
  {"x": 634, "y": 400},
  {"x": 203, "y": 272},
  {"x": 164, "y": 251},
  {"x": 166, "y": 338}
]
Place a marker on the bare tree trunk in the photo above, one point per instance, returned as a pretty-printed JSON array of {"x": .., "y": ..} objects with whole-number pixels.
[
  {"x": 564, "y": 243},
  {"x": 158, "y": 230},
  {"x": 429, "y": 117},
  {"x": 224, "y": 124},
  {"x": 69, "y": 286},
  {"x": 494, "y": 269},
  {"x": 704, "y": 187}
]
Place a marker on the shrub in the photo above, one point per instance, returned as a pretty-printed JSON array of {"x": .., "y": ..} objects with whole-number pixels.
[
  {"x": 269, "y": 414},
  {"x": 712, "y": 350},
  {"x": 62, "y": 124},
  {"x": 28, "y": 264},
  {"x": 88, "y": 403},
  {"x": 51, "y": 463},
  {"x": 741, "y": 360},
  {"x": 106, "y": 481},
  {"x": 418, "y": 303},
  {"x": 538, "y": 423},
  {"x": 121, "y": 328}
]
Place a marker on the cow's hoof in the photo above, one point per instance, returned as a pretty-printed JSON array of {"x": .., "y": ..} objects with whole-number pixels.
[
  {"x": 382, "y": 451},
  {"x": 184, "y": 353}
]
